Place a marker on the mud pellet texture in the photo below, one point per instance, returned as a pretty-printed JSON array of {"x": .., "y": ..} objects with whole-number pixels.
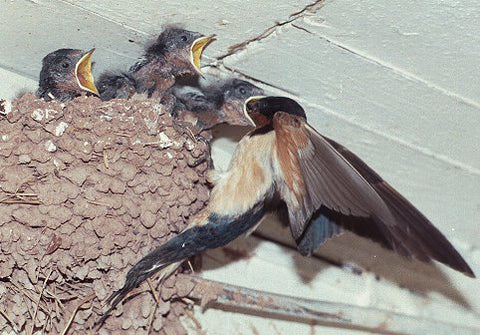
[{"x": 86, "y": 189}]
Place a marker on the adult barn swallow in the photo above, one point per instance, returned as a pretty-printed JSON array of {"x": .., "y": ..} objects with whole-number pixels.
[
  {"x": 176, "y": 52},
  {"x": 216, "y": 104},
  {"x": 326, "y": 189},
  {"x": 65, "y": 74}
]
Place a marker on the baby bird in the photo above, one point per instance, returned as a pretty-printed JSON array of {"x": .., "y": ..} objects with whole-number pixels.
[
  {"x": 176, "y": 52},
  {"x": 216, "y": 104},
  {"x": 65, "y": 74},
  {"x": 116, "y": 86}
]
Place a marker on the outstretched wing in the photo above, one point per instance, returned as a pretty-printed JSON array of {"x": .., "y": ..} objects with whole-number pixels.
[
  {"x": 321, "y": 176},
  {"x": 316, "y": 175}
]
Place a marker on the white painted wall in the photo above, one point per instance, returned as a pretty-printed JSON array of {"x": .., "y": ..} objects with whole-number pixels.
[{"x": 395, "y": 82}]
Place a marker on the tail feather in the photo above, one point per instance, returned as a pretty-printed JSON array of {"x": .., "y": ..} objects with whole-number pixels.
[
  {"x": 320, "y": 229},
  {"x": 217, "y": 232}
]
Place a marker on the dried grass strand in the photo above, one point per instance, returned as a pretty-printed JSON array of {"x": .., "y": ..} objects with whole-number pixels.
[
  {"x": 70, "y": 320},
  {"x": 10, "y": 321},
  {"x": 38, "y": 301}
]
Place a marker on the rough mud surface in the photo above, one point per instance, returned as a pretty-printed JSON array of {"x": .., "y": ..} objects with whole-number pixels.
[{"x": 86, "y": 189}]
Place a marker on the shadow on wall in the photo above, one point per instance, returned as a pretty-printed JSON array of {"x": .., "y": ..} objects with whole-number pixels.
[{"x": 347, "y": 251}]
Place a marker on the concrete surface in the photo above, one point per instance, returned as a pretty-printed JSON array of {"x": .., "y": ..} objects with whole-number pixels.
[{"x": 396, "y": 83}]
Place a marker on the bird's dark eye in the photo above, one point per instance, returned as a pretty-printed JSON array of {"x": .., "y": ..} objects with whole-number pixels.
[
  {"x": 184, "y": 38},
  {"x": 242, "y": 91},
  {"x": 65, "y": 65}
]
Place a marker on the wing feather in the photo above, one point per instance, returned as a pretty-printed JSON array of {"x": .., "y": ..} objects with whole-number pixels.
[
  {"x": 350, "y": 194},
  {"x": 323, "y": 177}
]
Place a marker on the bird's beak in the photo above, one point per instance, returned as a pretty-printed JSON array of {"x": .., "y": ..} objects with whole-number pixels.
[
  {"x": 196, "y": 51},
  {"x": 83, "y": 73},
  {"x": 246, "y": 110}
]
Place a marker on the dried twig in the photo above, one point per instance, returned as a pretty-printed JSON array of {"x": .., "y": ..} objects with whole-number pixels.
[
  {"x": 14, "y": 326},
  {"x": 123, "y": 134},
  {"x": 20, "y": 198},
  {"x": 24, "y": 298},
  {"x": 195, "y": 321},
  {"x": 22, "y": 202},
  {"x": 29, "y": 295},
  {"x": 190, "y": 266},
  {"x": 190, "y": 134},
  {"x": 38, "y": 301},
  {"x": 105, "y": 160},
  {"x": 80, "y": 304},
  {"x": 152, "y": 289},
  {"x": 93, "y": 202},
  {"x": 24, "y": 182},
  {"x": 56, "y": 299},
  {"x": 46, "y": 323},
  {"x": 22, "y": 194},
  {"x": 157, "y": 301}
]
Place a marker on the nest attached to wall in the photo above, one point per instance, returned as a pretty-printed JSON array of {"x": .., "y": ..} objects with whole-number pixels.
[{"x": 86, "y": 189}]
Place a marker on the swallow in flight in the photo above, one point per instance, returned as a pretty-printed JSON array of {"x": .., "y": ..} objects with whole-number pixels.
[
  {"x": 66, "y": 74},
  {"x": 326, "y": 189}
]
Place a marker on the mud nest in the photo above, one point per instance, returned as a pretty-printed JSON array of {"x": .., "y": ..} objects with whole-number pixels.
[{"x": 86, "y": 189}]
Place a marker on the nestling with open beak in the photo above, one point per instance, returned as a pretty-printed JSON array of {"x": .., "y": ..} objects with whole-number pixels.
[
  {"x": 65, "y": 74},
  {"x": 176, "y": 52},
  {"x": 216, "y": 104},
  {"x": 326, "y": 189}
]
